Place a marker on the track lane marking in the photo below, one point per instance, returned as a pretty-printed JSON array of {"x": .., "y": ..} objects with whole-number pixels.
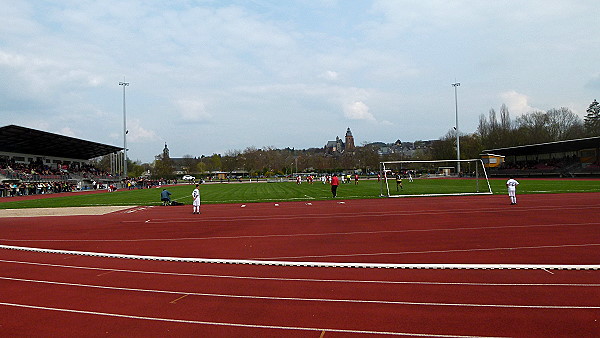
[
  {"x": 327, "y": 300},
  {"x": 306, "y": 234},
  {"x": 255, "y": 326},
  {"x": 104, "y": 273},
  {"x": 175, "y": 301},
  {"x": 299, "y": 279},
  {"x": 368, "y": 214},
  {"x": 541, "y": 266}
]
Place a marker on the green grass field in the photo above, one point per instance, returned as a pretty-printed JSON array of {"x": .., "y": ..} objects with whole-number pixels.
[{"x": 290, "y": 191}]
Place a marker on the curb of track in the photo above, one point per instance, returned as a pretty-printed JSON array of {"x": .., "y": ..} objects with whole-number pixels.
[{"x": 313, "y": 264}]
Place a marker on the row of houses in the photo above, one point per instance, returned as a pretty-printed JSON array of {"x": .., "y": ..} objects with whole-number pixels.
[{"x": 405, "y": 148}]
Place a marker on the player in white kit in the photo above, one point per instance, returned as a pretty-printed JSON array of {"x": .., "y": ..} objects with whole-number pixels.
[
  {"x": 196, "y": 198},
  {"x": 511, "y": 184}
]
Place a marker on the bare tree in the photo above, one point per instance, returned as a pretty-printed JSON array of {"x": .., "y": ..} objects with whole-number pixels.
[
  {"x": 532, "y": 128},
  {"x": 563, "y": 124}
]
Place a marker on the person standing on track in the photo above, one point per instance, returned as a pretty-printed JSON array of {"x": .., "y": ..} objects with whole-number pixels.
[
  {"x": 196, "y": 198},
  {"x": 335, "y": 182},
  {"x": 511, "y": 184}
]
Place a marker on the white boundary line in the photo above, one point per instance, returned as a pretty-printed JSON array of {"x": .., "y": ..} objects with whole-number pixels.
[
  {"x": 439, "y": 195},
  {"x": 365, "y": 214},
  {"x": 286, "y": 279},
  {"x": 310, "y": 264},
  {"x": 252, "y": 326},
  {"x": 301, "y": 234},
  {"x": 439, "y": 251},
  {"x": 298, "y": 299}
]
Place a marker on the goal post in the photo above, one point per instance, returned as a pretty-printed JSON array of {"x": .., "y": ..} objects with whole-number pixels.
[{"x": 433, "y": 178}]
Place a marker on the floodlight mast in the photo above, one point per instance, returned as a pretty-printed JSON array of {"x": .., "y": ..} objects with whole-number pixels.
[
  {"x": 124, "y": 84},
  {"x": 455, "y": 85}
]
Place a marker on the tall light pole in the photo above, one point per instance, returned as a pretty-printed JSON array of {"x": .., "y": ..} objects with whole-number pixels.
[
  {"x": 124, "y": 84},
  {"x": 455, "y": 85}
]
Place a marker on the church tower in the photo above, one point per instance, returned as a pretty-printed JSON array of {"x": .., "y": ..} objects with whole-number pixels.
[
  {"x": 165, "y": 153},
  {"x": 349, "y": 140}
]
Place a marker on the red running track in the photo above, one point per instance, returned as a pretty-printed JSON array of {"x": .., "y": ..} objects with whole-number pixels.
[{"x": 45, "y": 294}]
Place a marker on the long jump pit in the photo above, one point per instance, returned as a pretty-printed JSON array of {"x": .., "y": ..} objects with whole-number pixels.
[{"x": 71, "y": 211}]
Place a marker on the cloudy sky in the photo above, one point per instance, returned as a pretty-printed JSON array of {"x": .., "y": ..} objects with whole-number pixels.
[{"x": 211, "y": 76}]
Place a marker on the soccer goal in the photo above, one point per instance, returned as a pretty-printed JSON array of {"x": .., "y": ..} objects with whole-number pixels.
[{"x": 434, "y": 178}]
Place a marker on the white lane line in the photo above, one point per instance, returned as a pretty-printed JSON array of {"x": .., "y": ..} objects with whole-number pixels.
[
  {"x": 255, "y": 326},
  {"x": 438, "y": 251},
  {"x": 327, "y": 300},
  {"x": 367, "y": 214},
  {"x": 297, "y": 279},
  {"x": 306, "y": 234}
]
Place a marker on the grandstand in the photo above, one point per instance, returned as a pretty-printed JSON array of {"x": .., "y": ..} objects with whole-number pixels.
[
  {"x": 34, "y": 162},
  {"x": 571, "y": 158}
]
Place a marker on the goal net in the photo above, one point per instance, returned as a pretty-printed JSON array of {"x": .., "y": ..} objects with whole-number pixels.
[{"x": 434, "y": 178}]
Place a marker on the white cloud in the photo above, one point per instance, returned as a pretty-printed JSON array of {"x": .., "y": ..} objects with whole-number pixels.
[
  {"x": 516, "y": 102},
  {"x": 44, "y": 79},
  {"x": 358, "y": 110},
  {"x": 329, "y": 75},
  {"x": 237, "y": 64},
  {"x": 136, "y": 133},
  {"x": 192, "y": 110}
]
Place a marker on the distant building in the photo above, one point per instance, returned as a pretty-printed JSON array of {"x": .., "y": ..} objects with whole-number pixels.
[
  {"x": 349, "y": 141},
  {"x": 407, "y": 149},
  {"x": 182, "y": 165},
  {"x": 163, "y": 155},
  {"x": 338, "y": 146}
]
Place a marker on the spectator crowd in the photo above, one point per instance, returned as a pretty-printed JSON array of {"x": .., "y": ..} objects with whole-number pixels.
[
  {"x": 32, "y": 188},
  {"x": 36, "y": 178}
]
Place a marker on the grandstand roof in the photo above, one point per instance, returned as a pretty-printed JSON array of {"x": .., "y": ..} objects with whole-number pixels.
[
  {"x": 17, "y": 139},
  {"x": 547, "y": 148}
]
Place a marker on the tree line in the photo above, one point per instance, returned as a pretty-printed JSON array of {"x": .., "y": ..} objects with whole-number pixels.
[
  {"x": 495, "y": 130},
  {"x": 499, "y": 130}
]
